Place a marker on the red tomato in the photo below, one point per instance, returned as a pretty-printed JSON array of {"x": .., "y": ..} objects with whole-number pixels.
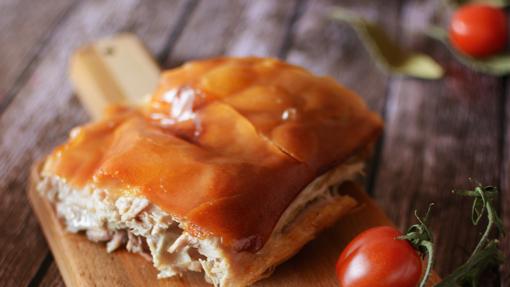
[
  {"x": 376, "y": 258},
  {"x": 478, "y": 30}
]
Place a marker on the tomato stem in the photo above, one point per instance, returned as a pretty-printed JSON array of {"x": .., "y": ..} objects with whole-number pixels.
[
  {"x": 486, "y": 252},
  {"x": 429, "y": 246},
  {"x": 421, "y": 238},
  {"x": 468, "y": 273},
  {"x": 486, "y": 195}
]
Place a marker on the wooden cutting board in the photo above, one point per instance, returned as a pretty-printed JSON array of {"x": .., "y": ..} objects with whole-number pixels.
[{"x": 121, "y": 70}]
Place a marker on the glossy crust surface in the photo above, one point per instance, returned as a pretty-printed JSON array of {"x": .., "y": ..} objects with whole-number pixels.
[{"x": 224, "y": 145}]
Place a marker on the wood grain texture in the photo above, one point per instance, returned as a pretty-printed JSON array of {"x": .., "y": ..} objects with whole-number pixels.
[
  {"x": 331, "y": 48},
  {"x": 52, "y": 277},
  {"x": 439, "y": 133},
  {"x": 25, "y": 26},
  {"x": 43, "y": 112},
  {"x": 37, "y": 38},
  {"x": 239, "y": 27},
  {"x": 505, "y": 183}
]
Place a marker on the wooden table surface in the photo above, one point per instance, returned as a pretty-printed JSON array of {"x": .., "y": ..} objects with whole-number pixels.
[{"x": 437, "y": 134}]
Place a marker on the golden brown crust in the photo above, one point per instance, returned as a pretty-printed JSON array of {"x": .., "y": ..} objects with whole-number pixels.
[{"x": 224, "y": 144}]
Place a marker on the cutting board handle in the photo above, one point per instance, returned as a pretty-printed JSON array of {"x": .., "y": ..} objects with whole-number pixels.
[{"x": 113, "y": 70}]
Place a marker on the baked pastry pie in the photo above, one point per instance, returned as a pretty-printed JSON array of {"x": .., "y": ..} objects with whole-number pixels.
[{"x": 229, "y": 168}]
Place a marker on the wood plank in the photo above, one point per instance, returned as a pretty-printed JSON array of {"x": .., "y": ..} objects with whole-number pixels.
[
  {"x": 439, "y": 133},
  {"x": 52, "y": 277},
  {"x": 44, "y": 110},
  {"x": 505, "y": 183},
  {"x": 331, "y": 48},
  {"x": 239, "y": 27},
  {"x": 25, "y": 27}
]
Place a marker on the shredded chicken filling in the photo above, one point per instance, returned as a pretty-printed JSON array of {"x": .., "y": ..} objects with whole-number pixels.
[{"x": 141, "y": 227}]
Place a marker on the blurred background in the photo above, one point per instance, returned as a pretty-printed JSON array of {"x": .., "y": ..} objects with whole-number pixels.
[{"x": 438, "y": 132}]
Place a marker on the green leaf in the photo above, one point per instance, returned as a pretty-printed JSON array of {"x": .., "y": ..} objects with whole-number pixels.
[
  {"x": 387, "y": 53},
  {"x": 496, "y": 3},
  {"x": 498, "y": 65}
]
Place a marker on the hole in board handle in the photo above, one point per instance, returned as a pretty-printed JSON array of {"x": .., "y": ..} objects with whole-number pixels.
[{"x": 108, "y": 51}]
